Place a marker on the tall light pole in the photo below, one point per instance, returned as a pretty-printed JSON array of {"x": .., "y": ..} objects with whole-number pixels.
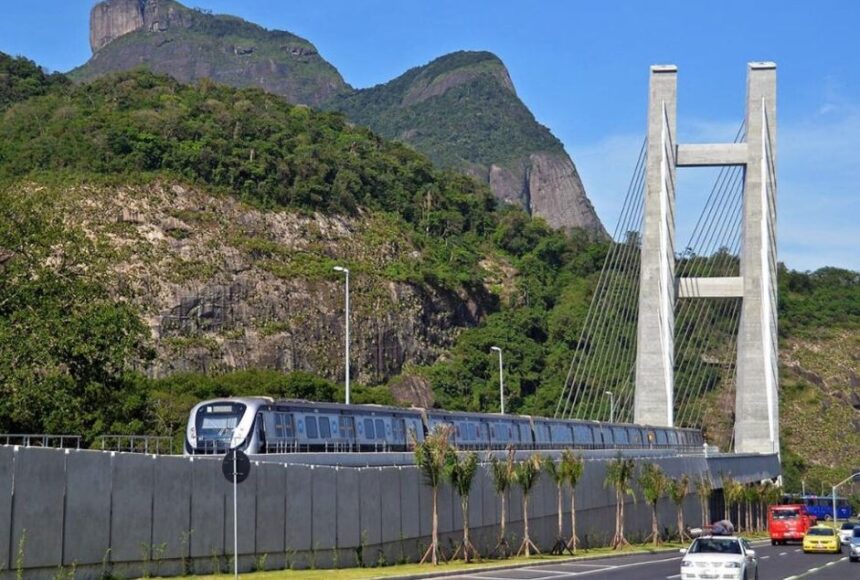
[
  {"x": 611, "y": 406},
  {"x": 833, "y": 495},
  {"x": 501, "y": 379},
  {"x": 346, "y": 341}
]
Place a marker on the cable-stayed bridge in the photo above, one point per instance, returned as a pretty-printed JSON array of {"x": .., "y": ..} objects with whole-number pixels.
[{"x": 686, "y": 335}]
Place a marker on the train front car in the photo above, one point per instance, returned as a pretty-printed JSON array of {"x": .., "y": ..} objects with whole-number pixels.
[{"x": 218, "y": 425}]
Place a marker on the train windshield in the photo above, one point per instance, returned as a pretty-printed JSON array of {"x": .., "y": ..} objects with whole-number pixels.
[{"x": 217, "y": 421}]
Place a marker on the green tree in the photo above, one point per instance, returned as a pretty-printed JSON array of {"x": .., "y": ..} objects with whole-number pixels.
[
  {"x": 461, "y": 472},
  {"x": 619, "y": 475},
  {"x": 432, "y": 456},
  {"x": 526, "y": 475},
  {"x": 502, "y": 474},
  {"x": 572, "y": 466},
  {"x": 678, "y": 490},
  {"x": 653, "y": 483}
]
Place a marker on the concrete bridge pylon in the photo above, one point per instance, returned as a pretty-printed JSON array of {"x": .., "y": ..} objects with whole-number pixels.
[{"x": 756, "y": 401}]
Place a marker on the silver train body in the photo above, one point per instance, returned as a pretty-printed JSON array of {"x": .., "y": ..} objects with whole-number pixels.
[{"x": 259, "y": 425}]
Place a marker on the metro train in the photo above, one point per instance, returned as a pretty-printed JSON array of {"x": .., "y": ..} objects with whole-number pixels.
[{"x": 259, "y": 425}]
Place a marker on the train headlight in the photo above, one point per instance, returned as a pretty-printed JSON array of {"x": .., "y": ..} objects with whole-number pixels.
[{"x": 192, "y": 434}]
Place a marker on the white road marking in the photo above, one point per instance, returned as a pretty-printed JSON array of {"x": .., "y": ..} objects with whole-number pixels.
[
  {"x": 675, "y": 576},
  {"x": 783, "y": 553},
  {"x": 764, "y": 557}
]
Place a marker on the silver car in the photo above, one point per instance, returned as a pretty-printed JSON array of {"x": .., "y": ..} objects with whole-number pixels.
[
  {"x": 719, "y": 557},
  {"x": 854, "y": 546}
]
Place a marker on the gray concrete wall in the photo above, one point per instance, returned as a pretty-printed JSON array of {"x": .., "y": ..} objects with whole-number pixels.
[{"x": 134, "y": 515}]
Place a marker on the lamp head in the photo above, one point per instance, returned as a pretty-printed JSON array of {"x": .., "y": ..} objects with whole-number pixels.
[
  {"x": 495, "y": 348},
  {"x": 609, "y": 393},
  {"x": 341, "y": 269}
]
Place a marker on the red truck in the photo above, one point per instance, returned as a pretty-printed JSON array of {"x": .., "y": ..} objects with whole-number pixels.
[{"x": 788, "y": 523}]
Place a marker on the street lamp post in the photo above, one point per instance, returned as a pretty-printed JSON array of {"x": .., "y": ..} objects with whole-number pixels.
[
  {"x": 611, "y": 406},
  {"x": 833, "y": 495},
  {"x": 346, "y": 349},
  {"x": 501, "y": 380}
]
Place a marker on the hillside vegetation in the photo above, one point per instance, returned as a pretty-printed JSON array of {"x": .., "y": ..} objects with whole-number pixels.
[
  {"x": 69, "y": 152},
  {"x": 121, "y": 198}
]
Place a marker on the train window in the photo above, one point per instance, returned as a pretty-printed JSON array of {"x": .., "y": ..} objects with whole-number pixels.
[
  {"x": 673, "y": 438},
  {"x": 620, "y": 435},
  {"x": 661, "y": 437},
  {"x": 325, "y": 428},
  {"x": 289, "y": 432},
  {"x": 583, "y": 434},
  {"x": 368, "y": 429},
  {"x": 311, "y": 425},
  {"x": 279, "y": 426},
  {"x": 635, "y": 435},
  {"x": 380, "y": 429}
]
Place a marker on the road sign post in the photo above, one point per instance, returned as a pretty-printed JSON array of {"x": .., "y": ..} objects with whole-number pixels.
[{"x": 236, "y": 467}]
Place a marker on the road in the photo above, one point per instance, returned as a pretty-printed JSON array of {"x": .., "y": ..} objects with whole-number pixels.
[{"x": 775, "y": 563}]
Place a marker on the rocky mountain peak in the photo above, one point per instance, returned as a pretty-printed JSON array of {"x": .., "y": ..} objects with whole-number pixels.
[
  {"x": 111, "y": 19},
  {"x": 189, "y": 44},
  {"x": 454, "y": 70}
]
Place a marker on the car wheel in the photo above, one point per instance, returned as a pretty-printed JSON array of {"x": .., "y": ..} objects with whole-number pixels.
[{"x": 773, "y": 542}]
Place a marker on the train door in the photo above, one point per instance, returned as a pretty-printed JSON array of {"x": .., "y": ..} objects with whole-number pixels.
[
  {"x": 399, "y": 427},
  {"x": 346, "y": 426}
]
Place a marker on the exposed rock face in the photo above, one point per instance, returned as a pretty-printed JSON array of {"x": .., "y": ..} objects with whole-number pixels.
[
  {"x": 218, "y": 284},
  {"x": 113, "y": 18},
  {"x": 191, "y": 44},
  {"x": 555, "y": 193}
]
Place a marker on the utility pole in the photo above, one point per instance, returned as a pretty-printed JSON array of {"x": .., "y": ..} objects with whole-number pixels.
[
  {"x": 346, "y": 341},
  {"x": 501, "y": 380}
]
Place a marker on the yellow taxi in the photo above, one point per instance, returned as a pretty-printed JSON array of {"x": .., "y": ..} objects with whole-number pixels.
[{"x": 822, "y": 539}]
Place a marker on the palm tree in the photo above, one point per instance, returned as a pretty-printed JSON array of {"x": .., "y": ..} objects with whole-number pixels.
[
  {"x": 556, "y": 473},
  {"x": 461, "y": 472},
  {"x": 502, "y": 474},
  {"x": 431, "y": 456},
  {"x": 704, "y": 489},
  {"x": 526, "y": 475},
  {"x": 619, "y": 474},
  {"x": 572, "y": 466},
  {"x": 678, "y": 492},
  {"x": 728, "y": 495},
  {"x": 653, "y": 483},
  {"x": 751, "y": 498}
]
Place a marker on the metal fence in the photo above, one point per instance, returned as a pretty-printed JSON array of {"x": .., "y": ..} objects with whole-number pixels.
[
  {"x": 150, "y": 444},
  {"x": 41, "y": 440}
]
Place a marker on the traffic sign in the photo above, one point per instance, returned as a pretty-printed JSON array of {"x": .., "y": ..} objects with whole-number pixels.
[{"x": 236, "y": 462}]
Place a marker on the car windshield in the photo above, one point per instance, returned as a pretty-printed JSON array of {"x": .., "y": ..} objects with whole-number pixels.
[
  {"x": 821, "y": 532},
  {"x": 785, "y": 514},
  {"x": 847, "y": 526},
  {"x": 715, "y": 546}
]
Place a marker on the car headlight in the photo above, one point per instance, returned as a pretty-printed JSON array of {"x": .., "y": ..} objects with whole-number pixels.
[{"x": 732, "y": 565}]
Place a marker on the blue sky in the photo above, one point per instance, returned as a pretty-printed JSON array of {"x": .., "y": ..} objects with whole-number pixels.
[{"x": 582, "y": 68}]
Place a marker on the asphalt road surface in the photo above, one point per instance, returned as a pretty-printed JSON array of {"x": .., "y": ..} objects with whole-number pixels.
[{"x": 775, "y": 563}]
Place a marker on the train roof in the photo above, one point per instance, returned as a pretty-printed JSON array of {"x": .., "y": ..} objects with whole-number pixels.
[{"x": 345, "y": 407}]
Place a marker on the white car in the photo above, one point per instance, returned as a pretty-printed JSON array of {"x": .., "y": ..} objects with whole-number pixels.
[
  {"x": 723, "y": 557},
  {"x": 846, "y": 531}
]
